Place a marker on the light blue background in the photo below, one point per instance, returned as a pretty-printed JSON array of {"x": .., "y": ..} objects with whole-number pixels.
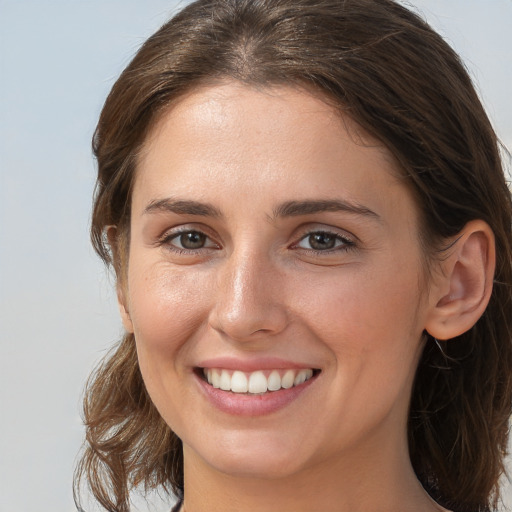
[{"x": 58, "y": 60}]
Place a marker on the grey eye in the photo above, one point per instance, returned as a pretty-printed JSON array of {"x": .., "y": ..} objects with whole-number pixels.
[
  {"x": 190, "y": 240},
  {"x": 321, "y": 241}
]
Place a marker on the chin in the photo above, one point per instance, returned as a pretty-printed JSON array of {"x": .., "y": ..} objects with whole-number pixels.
[
  {"x": 264, "y": 458},
  {"x": 257, "y": 467}
]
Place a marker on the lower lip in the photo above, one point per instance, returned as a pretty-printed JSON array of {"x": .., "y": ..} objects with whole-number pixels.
[{"x": 241, "y": 404}]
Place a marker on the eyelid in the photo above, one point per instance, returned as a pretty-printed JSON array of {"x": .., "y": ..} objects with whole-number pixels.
[
  {"x": 170, "y": 234},
  {"x": 348, "y": 240}
]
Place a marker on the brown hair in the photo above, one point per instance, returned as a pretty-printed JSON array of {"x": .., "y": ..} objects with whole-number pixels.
[{"x": 387, "y": 69}]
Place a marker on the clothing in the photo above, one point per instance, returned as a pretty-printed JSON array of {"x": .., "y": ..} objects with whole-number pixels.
[{"x": 177, "y": 507}]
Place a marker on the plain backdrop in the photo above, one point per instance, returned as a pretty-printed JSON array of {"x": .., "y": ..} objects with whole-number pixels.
[{"x": 58, "y": 316}]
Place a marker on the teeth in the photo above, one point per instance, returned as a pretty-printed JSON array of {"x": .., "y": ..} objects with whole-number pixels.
[
  {"x": 215, "y": 379},
  {"x": 302, "y": 376},
  {"x": 274, "y": 381},
  {"x": 225, "y": 381},
  {"x": 287, "y": 380},
  {"x": 239, "y": 382},
  {"x": 256, "y": 382}
]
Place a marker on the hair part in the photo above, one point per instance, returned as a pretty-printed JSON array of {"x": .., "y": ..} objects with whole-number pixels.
[{"x": 383, "y": 66}]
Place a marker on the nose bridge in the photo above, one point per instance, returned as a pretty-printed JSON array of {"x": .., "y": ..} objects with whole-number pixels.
[{"x": 248, "y": 300}]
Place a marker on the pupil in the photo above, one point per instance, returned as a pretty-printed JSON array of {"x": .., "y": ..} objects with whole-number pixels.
[
  {"x": 192, "y": 240},
  {"x": 321, "y": 241}
]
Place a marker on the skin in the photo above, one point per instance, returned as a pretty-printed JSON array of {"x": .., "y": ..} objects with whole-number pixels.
[{"x": 257, "y": 289}]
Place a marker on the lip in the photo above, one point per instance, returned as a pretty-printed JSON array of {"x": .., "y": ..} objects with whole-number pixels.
[
  {"x": 252, "y": 365},
  {"x": 241, "y": 404}
]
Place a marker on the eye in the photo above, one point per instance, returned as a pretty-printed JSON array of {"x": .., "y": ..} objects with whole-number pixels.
[
  {"x": 324, "y": 241},
  {"x": 188, "y": 240}
]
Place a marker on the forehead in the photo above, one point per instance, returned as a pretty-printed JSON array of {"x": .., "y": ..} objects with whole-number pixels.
[
  {"x": 285, "y": 142},
  {"x": 229, "y": 105}
]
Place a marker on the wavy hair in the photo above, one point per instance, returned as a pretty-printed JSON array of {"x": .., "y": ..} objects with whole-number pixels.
[{"x": 382, "y": 65}]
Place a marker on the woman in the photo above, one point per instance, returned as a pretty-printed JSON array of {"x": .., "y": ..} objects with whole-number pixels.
[{"x": 306, "y": 211}]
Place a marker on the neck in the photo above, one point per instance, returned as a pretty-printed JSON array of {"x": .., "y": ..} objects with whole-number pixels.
[{"x": 379, "y": 479}]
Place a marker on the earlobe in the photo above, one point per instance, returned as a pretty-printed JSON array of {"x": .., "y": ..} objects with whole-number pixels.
[
  {"x": 461, "y": 292},
  {"x": 113, "y": 240},
  {"x": 123, "y": 310}
]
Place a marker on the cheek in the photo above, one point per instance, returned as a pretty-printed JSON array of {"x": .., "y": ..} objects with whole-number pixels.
[
  {"x": 166, "y": 307},
  {"x": 168, "y": 311},
  {"x": 371, "y": 327},
  {"x": 367, "y": 313}
]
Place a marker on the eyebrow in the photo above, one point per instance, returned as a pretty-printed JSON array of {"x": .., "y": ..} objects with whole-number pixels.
[
  {"x": 182, "y": 207},
  {"x": 307, "y": 207},
  {"x": 287, "y": 209}
]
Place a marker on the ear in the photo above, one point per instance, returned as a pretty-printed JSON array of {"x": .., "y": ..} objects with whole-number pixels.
[
  {"x": 121, "y": 284},
  {"x": 123, "y": 310},
  {"x": 461, "y": 291}
]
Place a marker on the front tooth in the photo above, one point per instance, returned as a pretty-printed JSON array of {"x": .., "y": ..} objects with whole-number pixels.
[
  {"x": 257, "y": 382},
  {"x": 215, "y": 378},
  {"x": 225, "y": 381},
  {"x": 238, "y": 382},
  {"x": 287, "y": 380},
  {"x": 300, "y": 378},
  {"x": 274, "y": 381}
]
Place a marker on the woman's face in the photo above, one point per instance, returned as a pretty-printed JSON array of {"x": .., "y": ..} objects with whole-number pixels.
[{"x": 271, "y": 245}]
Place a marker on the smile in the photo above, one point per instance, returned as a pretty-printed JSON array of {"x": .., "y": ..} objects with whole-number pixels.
[{"x": 256, "y": 382}]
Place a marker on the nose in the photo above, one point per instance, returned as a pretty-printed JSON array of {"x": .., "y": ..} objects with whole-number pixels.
[{"x": 249, "y": 300}]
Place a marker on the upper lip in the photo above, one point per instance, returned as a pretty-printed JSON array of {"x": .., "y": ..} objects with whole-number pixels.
[{"x": 251, "y": 365}]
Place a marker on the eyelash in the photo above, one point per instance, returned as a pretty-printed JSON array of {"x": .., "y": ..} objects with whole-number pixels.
[
  {"x": 342, "y": 243},
  {"x": 169, "y": 237}
]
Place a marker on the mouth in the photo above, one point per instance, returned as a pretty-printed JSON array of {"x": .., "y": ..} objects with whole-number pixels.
[{"x": 257, "y": 382}]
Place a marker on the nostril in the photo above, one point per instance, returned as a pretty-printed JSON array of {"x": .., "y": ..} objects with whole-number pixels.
[
  {"x": 248, "y": 301},
  {"x": 250, "y": 323}
]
